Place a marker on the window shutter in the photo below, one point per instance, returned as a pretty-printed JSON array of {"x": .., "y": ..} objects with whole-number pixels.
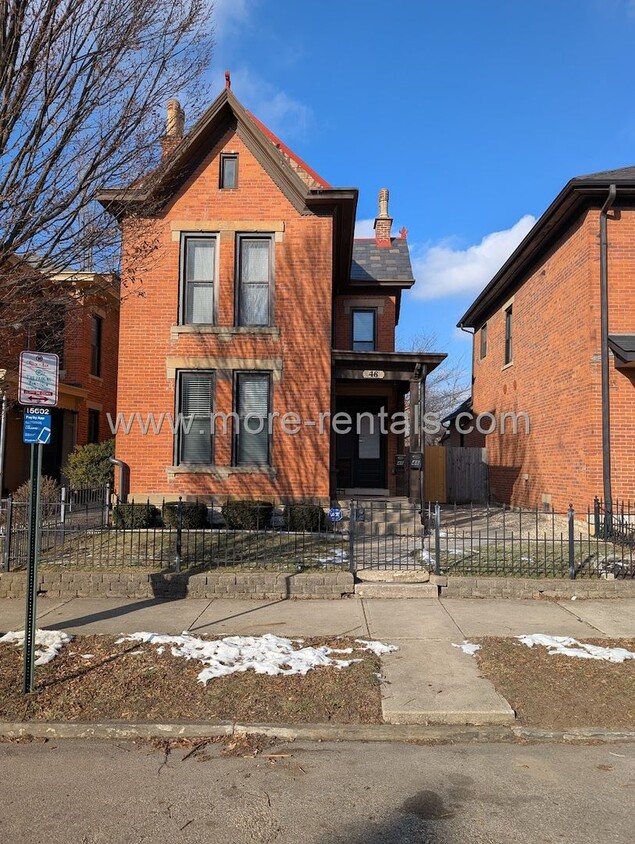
[
  {"x": 196, "y": 408},
  {"x": 253, "y": 433}
]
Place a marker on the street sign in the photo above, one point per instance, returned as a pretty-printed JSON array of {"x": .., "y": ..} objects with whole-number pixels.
[
  {"x": 37, "y": 426},
  {"x": 38, "y": 381}
]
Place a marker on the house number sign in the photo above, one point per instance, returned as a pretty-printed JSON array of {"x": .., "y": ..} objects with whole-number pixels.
[{"x": 373, "y": 373}]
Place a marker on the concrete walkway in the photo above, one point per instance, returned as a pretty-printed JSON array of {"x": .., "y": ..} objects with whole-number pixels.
[{"x": 426, "y": 680}]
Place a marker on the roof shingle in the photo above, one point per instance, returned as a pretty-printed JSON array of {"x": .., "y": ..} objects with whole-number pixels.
[{"x": 381, "y": 263}]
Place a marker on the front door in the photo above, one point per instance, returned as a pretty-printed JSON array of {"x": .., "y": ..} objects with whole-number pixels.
[{"x": 361, "y": 453}]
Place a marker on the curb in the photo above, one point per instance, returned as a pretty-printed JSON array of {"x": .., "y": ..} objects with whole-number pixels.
[{"x": 308, "y": 732}]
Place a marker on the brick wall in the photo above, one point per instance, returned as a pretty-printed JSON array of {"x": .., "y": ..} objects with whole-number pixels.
[
  {"x": 555, "y": 374},
  {"x": 303, "y": 281},
  {"x": 385, "y": 325}
]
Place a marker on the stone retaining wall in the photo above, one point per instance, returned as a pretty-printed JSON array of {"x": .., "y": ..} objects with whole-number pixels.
[
  {"x": 254, "y": 585},
  {"x": 512, "y": 587}
]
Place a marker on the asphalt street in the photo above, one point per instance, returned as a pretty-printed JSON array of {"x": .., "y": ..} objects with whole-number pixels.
[{"x": 83, "y": 792}]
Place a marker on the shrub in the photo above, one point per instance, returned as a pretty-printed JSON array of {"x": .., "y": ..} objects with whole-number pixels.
[
  {"x": 140, "y": 516},
  {"x": 305, "y": 517},
  {"x": 247, "y": 515},
  {"x": 90, "y": 466},
  {"x": 194, "y": 514},
  {"x": 49, "y": 500}
]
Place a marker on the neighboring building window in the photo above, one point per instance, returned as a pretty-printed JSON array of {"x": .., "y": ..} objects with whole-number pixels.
[
  {"x": 93, "y": 426},
  {"x": 483, "y": 337},
  {"x": 253, "y": 405},
  {"x": 364, "y": 331},
  {"x": 96, "y": 331},
  {"x": 508, "y": 334},
  {"x": 198, "y": 274},
  {"x": 254, "y": 280},
  {"x": 196, "y": 397},
  {"x": 228, "y": 172}
]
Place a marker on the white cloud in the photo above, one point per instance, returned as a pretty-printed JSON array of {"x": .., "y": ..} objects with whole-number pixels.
[
  {"x": 230, "y": 15},
  {"x": 442, "y": 270},
  {"x": 365, "y": 228}
]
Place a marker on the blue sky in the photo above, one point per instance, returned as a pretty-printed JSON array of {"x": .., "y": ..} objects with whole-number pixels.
[{"x": 474, "y": 113}]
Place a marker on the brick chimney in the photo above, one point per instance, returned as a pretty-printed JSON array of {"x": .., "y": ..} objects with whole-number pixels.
[
  {"x": 383, "y": 221},
  {"x": 174, "y": 128}
]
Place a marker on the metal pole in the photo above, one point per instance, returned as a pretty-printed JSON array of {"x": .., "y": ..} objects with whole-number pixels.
[
  {"x": 179, "y": 536},
  {"x": 3, "y": 437},
  {"x": 34, "y": 550},
  {"x": 437, "y": 539},
  {"x": 604, "y": 331},
  {"x": 8, "y": 528},
  {"x": 571, "y": 543}
]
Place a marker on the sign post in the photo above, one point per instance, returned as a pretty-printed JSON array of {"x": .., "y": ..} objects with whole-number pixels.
[{"x": 37, "y": 389}]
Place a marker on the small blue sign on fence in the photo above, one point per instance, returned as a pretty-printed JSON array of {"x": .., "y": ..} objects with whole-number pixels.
[
  {"x": 335, "y": 514},
  {"x": 37, "y": 426}
]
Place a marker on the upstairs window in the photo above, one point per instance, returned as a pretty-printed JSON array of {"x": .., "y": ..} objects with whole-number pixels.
[
  {"x": 364, "y": 330},
  {"x": 199, "y": 272},
  {"x": 483, "y": 339},
  {"x": 255, "y": 278},
  {"x": 96, "y": 331},
  {"x": 228, "y": 172},
  {"x": 253, "y": 405},
  {"x": 196, "y": 396},
  {"x": 508, "y": 334}
]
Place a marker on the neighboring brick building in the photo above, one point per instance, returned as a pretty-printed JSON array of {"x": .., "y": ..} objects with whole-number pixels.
[
  {"x": 257, "y": 301},
  {"x": 80, "y": 323},
  {"x": 538, "y": 348}
]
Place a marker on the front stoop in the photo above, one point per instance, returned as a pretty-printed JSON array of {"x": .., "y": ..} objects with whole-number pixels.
[{"x": 385, "y": 589}]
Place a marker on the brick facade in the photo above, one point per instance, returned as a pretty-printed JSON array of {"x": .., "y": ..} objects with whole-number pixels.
[{"x": 556, "y": 375}]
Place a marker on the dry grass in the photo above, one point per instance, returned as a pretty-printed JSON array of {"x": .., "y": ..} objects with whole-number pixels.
[
  {"x": 560, "y": 691},
  {"x": 117, "y": 684}
]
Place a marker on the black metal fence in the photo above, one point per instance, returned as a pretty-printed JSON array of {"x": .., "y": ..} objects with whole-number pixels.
[
  {"x": 83, "y": 532},
  {"x": 614, "y": 522}
]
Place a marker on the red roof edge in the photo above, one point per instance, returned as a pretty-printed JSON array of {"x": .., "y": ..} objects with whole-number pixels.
[{"x": 282, "y": 146}]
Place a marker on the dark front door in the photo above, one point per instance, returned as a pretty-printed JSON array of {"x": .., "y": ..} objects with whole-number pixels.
[{"x": 361, "y": 453}]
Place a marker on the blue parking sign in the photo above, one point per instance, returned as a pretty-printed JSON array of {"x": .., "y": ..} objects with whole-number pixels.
[{"x": 37, "y": 426}]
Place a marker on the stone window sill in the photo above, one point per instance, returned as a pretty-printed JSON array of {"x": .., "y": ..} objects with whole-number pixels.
[
  {"x": 224, "y": 332},
  {"x": 221, "y": 472}
]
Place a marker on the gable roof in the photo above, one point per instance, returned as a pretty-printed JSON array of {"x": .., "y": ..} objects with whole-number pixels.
[
  {"x": 372, "y": 263},
  {"x": 300, "y": 184},
  {"x": 580, "y": 193}
]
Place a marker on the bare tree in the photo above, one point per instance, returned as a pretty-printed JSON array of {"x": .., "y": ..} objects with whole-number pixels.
[
  {"x": 83, "y": 87},
  {"x": 447, "y": 385}
]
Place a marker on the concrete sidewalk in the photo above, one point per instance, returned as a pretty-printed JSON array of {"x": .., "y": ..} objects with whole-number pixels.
[{"x": 427, "y": 680}]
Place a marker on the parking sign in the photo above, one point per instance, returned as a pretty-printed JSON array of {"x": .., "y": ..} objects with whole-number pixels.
[{"x": 38, "y": 382}]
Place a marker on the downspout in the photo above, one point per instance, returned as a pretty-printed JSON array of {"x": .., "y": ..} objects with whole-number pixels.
[
  {"x": 422, "y": 439},
  {"x": 604, "y": 331},
  {"x": 122, "y": 491}
]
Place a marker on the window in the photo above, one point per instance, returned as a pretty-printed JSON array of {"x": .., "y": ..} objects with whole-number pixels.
[
  {"x": 93, "y": 426},
  {"x": 508, "y": 335},
  {"x": 253, "y": 402},
  {"x": 95, "y": 345},
  {"x": 364, "y": 330},
  {"x": 199, "y": 270},
  {"x": 254, "y": 280},
  {"x": 483, "y": 337},
  {"x": 228, "y": 172},
  {"x": 196, "y": 395}
]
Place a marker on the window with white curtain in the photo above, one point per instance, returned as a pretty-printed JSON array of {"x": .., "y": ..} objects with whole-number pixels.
[
  {"x": 254, "y": 280},
  {"x": 195, "y": 405},
  {"x": 252, "y": 446},
  {"x": 199, "y": 271}
]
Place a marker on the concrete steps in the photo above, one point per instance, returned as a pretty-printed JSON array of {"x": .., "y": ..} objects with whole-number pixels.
[{"x": 396, "y": 590}]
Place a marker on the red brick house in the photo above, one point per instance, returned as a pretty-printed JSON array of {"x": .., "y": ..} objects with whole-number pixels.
[
  {"x": 259, "y": 302},
  {"x": 538, "y": 348},
  {"x": 83, "y": 329}
]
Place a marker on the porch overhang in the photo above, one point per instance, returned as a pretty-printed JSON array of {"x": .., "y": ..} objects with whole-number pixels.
[
  {"x": 623, "y": 348},
  {"x": 401, "y": 367}
]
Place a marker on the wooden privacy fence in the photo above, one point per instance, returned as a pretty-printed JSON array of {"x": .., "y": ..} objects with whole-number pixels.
[{"x": 456, "y": 475}]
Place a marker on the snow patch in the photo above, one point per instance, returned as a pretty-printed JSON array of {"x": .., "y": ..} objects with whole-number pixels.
[
  {"x": 268, "y": 654},
  {"x": 48, "y": 643},
  {"x": 377, "y": 648},
  {"x": 467, "y": 647},
  {"x": 567, "y": 646}
]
